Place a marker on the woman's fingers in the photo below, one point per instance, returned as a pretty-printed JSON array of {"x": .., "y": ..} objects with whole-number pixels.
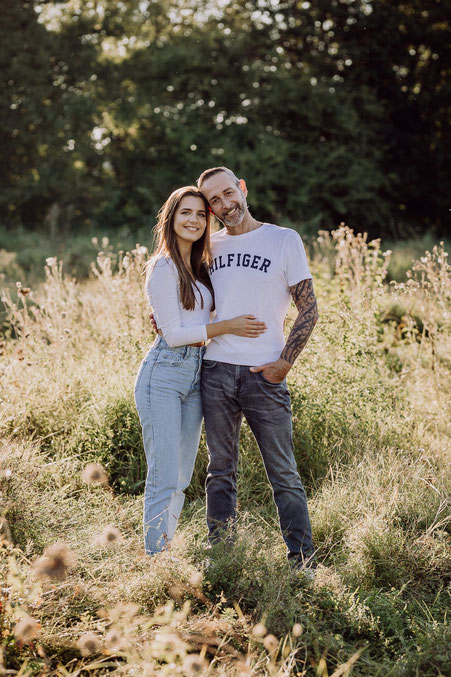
[
  {"x": 256, "y": 329},
  {"x": 253, "y": 328}
]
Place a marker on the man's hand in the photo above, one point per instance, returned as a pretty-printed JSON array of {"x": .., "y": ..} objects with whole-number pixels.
[{"x": 274, "y": 372}]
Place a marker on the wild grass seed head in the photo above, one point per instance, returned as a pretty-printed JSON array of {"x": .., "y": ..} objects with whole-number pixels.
[
  {"x": 297, "y": 630},
  {"x": 109, "y": 535},
  {"x": 259, "y": 630},
  {"x": 194, "y": 664},
  {"x": 26, "y": 629},
  {"x": 55, "y": 561},
  {"x": 88, "y": 643},
  {"x": 271, "y": 643},
  {"x": 94, "y": 473}
]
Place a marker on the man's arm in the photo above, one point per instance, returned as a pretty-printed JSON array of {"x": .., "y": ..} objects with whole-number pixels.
[{"x": 305, "y": 301}]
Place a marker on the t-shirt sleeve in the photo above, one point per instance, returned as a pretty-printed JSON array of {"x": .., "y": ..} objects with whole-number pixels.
[
  {"x": 162, "y": 293},
  {"x": 295, "y": 265}
]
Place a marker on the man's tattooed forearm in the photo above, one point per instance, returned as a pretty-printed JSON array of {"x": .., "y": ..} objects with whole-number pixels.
[{"x": 305, "y": 301}]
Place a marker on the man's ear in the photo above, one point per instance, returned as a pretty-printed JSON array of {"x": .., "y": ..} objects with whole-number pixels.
[{"x": 243, "y": 187}]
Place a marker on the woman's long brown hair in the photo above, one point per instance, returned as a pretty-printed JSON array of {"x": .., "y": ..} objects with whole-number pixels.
[{"x": 167, "y": 245}]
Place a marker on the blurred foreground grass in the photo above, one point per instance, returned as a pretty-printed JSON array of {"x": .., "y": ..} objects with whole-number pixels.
[{"x": 371, "y": 399}]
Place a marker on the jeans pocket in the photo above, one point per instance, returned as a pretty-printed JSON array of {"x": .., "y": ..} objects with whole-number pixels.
[
  {"x": 169, "y": 358},
  {"x": 270, "y": 383},
  {"x": 208, "y": 364}
]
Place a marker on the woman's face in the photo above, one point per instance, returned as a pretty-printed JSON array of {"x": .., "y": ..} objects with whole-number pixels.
[{"x": 190, "y": 219}]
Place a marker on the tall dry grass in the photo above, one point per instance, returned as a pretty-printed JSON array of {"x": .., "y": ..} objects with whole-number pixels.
[{"x": 371, "y": 401}]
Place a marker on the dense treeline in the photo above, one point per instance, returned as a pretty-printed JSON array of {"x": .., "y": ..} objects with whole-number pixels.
[{"x": 333, "y": 110}]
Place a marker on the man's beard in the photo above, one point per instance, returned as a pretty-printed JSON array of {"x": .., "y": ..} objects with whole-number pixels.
[{"x": 239, "y": 214}]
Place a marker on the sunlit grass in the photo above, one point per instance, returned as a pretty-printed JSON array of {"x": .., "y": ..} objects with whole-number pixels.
[{"x": 371, "y": 401}]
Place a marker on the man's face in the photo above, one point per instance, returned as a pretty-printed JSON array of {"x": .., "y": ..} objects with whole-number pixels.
[{"x": 226, "y": 199}]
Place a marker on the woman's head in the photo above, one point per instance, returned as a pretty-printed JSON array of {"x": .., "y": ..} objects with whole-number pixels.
[{"x": 183, "y": 220}]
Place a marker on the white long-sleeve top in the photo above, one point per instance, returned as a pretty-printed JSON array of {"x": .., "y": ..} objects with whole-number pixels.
[{"x": 178, "y": 326}]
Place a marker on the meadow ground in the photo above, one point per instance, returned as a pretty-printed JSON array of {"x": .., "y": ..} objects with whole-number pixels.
[{"x": 371, "y": 399}]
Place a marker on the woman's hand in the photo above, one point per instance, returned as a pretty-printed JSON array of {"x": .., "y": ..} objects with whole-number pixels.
[{"x": 246, "y": 325}]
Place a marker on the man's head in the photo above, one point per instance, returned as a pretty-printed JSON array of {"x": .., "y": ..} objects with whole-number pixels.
[{"x": 226, "y": 195}]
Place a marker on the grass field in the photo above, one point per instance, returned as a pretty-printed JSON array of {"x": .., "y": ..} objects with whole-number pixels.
[{"x": 371, "y": 398}]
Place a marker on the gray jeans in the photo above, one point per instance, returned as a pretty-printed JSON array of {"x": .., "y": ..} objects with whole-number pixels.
[{"x": 230, "y": 391}]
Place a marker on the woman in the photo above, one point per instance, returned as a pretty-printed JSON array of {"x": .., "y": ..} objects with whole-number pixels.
[{"x": 167, "y": 392}]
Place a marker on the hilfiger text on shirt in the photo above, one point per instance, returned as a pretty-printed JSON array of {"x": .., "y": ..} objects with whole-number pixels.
[{"x": 240, "y": 260}]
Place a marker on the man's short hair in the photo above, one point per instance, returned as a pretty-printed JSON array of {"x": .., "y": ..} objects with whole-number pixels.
[{"x": 208, "y": 173}]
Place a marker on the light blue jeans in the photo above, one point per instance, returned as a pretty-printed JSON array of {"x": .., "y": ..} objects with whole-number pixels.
[{"x": 167, "y": 396}]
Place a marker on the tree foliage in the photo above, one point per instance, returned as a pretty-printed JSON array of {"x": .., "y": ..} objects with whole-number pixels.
[{"x": 334, "y": 110}]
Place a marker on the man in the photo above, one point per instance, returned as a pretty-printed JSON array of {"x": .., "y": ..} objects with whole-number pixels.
[{"x": 256, "y": 268}]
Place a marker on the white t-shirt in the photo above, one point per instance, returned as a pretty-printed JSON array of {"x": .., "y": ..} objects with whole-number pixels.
[
  {"x": 179, "y": 326},
  {"x": 251, "y": 274}
]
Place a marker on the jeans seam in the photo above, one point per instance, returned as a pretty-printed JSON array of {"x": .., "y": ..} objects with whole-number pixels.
[{"x": 149, "y": 402}]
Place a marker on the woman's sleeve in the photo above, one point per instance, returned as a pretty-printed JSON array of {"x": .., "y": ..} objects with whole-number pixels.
[{"x": 161, "y": 289}]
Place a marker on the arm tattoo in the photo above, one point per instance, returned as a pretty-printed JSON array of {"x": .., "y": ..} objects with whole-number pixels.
[{"x": 305, "y": 301}]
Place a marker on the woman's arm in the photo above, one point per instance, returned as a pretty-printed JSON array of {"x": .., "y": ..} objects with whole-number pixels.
[
  {"x": 161, "y": 288},
  {"x": 243, "y": 325}
]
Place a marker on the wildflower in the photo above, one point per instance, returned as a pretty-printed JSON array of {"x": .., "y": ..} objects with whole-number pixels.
[
  {"x": 167, "y": 641},
  {"x": 95, "y": 241},
  {"x": 51, "y": 261},
  {"x": 176, "y": 592},
  {"x": 55, "y": 561},
  {"x": 108, "y": 536},
  {"x": 194, "y": 664},
  {"x": 123, "y": 611},
  {"x": 26, "y": 629},
  {"x": 94, "y": 473},
  {"x": 297, "y": 630},
  {"x": 24, "y": 291},
  {"x": 114, "y": 639},
  {"x": 195, "y": 579},
  {"x": 88, "y": 643},
  {"x": 270, "y": 643},
  {"x": 259, "y": 630}
]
